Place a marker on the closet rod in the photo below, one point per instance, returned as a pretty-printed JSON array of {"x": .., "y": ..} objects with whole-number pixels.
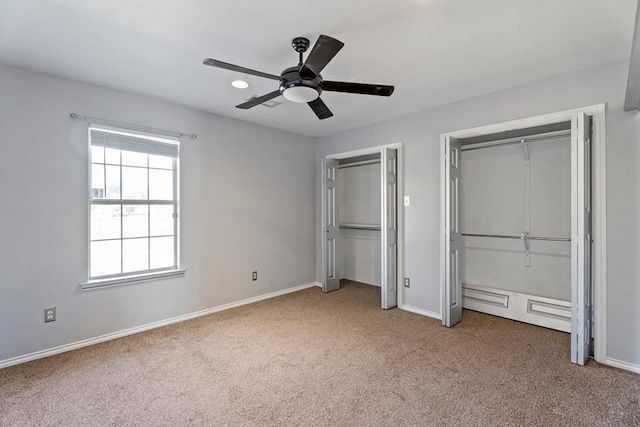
[
  {"x": 510, "y": 141},
  {"x": 521, "y": 237},
  {"x": 362, "y": 163},
  {"x": 360, "y": 227}
]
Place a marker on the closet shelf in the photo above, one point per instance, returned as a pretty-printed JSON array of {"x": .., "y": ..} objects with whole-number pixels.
[{"x": 373, "y": 227}]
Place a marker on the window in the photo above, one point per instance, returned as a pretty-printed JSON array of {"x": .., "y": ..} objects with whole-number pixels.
[{"x": 133, "y": 204}]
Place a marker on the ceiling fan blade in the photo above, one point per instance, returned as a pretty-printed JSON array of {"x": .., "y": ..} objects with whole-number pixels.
[
  {"x": 231, "y": 67},
  {"x": 323, "y": 51},
  {"x": 320, "y": 108},
  {"x": 361, "y": 88},
  {"x": 259, "y": 100}
]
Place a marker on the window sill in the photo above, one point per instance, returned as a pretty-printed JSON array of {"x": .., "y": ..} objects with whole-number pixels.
[{"x": 125, "y": 280}]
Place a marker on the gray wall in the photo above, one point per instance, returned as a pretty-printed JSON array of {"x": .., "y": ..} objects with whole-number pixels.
[
  {"x": 250, "y": 202},
  {"x": 420, "y": 135},
  {"x": 247, "y": 203}
]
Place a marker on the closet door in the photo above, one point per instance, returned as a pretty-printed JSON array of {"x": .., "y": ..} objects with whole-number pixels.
[
  {"x": 452, "y": 304},
  {"x": 330, "y": 212},
  {"x": 581, "y": 343},
  {"x": 389, "y": 229}
]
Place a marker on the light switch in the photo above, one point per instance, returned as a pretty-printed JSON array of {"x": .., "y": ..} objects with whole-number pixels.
[{"x": 407, "y": 200}]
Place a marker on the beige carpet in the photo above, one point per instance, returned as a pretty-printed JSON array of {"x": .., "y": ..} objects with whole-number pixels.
[{"x": 322, "y": 359}]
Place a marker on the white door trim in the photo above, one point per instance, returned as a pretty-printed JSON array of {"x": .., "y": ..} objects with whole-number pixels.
[
  {"x": 400, "y": 206},
  {"x": 597, "y": 112}
]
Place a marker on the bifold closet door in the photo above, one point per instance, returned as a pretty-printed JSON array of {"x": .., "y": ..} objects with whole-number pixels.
[
  {"x": 581, "y": 342},
  {"x": 389, "y": 229},
  {"x": 453, "y": 244},
  {"x": 332, "y": 232}
]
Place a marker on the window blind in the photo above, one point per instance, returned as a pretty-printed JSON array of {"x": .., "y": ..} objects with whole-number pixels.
[{"x": 119, "y": 141}]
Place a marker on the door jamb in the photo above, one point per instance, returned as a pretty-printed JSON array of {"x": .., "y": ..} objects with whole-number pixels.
[
  {"x": 400, "y": 206},
  {"x": 598, "y": 176}
]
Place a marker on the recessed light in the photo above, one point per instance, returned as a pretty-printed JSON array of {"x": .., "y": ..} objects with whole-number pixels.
[{"x": 240, "y": 84}]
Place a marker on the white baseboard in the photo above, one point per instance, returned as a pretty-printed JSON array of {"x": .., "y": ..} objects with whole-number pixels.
[
  {"x": 622, "y": 365},
  {"x": 420, "y": 311},
  {"x": 107, "y": 337}
]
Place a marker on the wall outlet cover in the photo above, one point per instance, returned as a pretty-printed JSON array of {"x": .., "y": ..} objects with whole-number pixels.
[{"x": 49, "y": 314}]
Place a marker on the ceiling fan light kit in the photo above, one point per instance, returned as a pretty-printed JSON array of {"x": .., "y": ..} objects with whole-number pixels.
[
  {"x": 299, "y": 94},
  {"x": 303, "y": 82}
]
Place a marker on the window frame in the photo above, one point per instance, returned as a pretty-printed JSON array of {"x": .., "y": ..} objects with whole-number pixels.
[{"x": 97, "y": 281}]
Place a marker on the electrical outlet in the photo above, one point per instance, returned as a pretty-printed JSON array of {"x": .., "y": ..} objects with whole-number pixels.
[
  {"x": 254, "y": 276},
  {"x": 407, "y": 282},
  {"x": 49, "y": 314}
]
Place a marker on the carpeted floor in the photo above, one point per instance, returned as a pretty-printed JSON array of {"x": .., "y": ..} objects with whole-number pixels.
[{"x": 335, "y": 359}]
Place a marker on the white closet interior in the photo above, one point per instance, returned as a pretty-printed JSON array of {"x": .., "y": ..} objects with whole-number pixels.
[
  {"x": 359, "y": 213},
  {"x": 516, "y": 225}
]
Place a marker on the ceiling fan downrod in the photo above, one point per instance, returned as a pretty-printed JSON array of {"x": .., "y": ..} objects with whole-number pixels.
[{"x": 300, "y": 45}]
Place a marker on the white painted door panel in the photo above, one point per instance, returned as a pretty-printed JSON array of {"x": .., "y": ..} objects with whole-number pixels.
[
  {"x": 454, "y": 260},
  {"x": 389, "y": 228},
  {"x": 581, "y": 343},
  {"x": 331, "y": 227}
]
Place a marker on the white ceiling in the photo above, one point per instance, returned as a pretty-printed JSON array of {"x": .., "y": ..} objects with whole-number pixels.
[{"x": 434, "y": 51}]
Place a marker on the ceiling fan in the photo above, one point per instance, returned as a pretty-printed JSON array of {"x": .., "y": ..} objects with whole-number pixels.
[{"x": 303, "y": 82}]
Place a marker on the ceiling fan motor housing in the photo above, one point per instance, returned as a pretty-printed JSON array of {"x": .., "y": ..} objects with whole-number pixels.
[{"x": 296, "y": 88}]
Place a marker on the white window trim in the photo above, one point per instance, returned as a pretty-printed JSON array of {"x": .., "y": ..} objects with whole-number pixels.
[
  {"x": 135, "y": 278},
  {"x": 125, "y": 279}
]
